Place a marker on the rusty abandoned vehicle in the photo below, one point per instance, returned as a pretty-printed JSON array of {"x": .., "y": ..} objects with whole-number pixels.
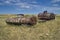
[
  {"x": 46, "y": 16},
  {"x": 22, "y": 20}
]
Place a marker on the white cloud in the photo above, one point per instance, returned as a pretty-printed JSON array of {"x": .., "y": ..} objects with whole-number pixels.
[
  {"x": 55, "y": 5},
  {"x": 25, "y": 6},
  {"x": 39, "y": 8},
  {"x": 51, "y": 9},
  {"x": 14, "y": 0},
  {"x": 34, "y": 2},
  {"x": 7, "y": 2},
  {"x": 54, "y": 1},
  {"x": 20, "y": 3},
  {"x": 1, "y": 4},
  {"x": 10, "y": 1}
]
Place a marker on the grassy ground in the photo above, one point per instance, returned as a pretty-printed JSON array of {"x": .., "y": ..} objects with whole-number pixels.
[{"x": 49, "y": 30}]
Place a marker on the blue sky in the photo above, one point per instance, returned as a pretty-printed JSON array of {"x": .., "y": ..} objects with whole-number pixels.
[{"x": 29, "y": 6}]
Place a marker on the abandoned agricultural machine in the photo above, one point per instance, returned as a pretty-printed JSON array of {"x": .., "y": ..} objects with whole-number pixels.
[
  {"x": 46, "y": 16},
  {"x": 20, "y": 15},
  {"x": 22, "y": 20}
]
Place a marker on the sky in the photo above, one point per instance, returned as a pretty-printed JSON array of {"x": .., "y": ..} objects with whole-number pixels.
[{"x": 29, "y": 6}]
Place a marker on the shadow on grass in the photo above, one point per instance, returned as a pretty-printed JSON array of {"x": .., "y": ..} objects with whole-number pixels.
[
  {"x": 19, "y": 24},
  {"x": 43, "y": 21}
]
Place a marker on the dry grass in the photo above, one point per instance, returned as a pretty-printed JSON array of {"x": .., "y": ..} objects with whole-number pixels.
[{"x": 49, "y": 30}]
